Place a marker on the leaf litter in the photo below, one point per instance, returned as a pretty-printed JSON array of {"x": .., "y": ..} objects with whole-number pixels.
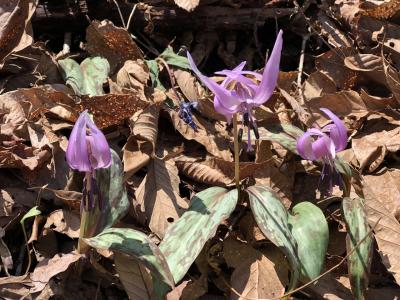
[{"x": 125, "y": 63}]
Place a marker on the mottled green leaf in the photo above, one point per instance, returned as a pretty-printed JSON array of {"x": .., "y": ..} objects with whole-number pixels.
[
  {"x": 359, "y": 261},
  {"x": 114, "y": 198},
  {"x": 184, "y": 239},
  {"x": 154, "y": 73},
  {"x": 86, "y": 78},
  {"x": 310, "y": 230},
  {"x": 137, "y": 245},
  {"x": 272, "y": 218},
  {"x": 283, "y": 134},
  {"x": 174, "y": 59}
]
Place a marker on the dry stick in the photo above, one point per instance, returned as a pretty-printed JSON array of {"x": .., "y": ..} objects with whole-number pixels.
[
  {"x": 120, "y": 13},
  {"x": 315, "y": 279},
  {"x": 236, "y": 149},
  {"x": 130, "y": 17},
  {"x": 301, "y": 65}
]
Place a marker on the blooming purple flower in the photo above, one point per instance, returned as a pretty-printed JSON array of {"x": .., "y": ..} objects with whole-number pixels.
[
  {"x": 88, "y": 150},
  {"x": 244, "y": 94},
  {"x": 324, "y": 143}
]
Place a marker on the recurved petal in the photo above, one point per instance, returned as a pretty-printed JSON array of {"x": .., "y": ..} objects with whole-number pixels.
[
  {"x": 225, "y": 111},
  {"x": 304, "y": 146},
  {"x": 270, "y": 74},
  {"x": 338, "y": 132},
  {"x": 100, "y": 153},
  {"x": 223, "y": 94},
  {"x": 323, "y": 146},
  {"x": 77, "y": 152}
]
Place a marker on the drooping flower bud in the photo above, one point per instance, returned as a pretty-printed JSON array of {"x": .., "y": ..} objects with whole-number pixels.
[{"x": 87, "y": 146}]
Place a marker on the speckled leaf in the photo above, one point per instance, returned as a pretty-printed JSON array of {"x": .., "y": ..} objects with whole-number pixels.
[
  {"x": 272, "y": 218},
  {"x": 154, "y": 72},
  {"x": 86, "y": 78},
  {"x": 360, "y": 260},
  {"x": 184, "y": 239},
  {"x": 137, "y": 245},
  {"x": 174, "y": 59},
  {"x": 311, "y": 232},
  {"x": 114, "y": 197}
]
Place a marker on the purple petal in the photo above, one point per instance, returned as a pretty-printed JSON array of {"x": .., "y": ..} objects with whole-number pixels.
[
  {"x": 270, "y": 74},
  {"x": 223, "y": 94},
  {"x": 304, "y": 146},
  {"x": 323, "y": 146},
  {"x": 312, "y": 149},
  {"x": 77, "y": 152},
  {"x": 225, "y": 111},
  {"x": 338, "y": 132},
  {"x": 100, "y": 153}
]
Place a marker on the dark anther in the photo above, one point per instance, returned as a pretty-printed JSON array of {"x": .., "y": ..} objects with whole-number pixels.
[
  {"x": 240, "y": 135},
  {"x": 255, "y": 130},
  {"x": 185, "y": 113},
  {"x": 246, "y": 119}
]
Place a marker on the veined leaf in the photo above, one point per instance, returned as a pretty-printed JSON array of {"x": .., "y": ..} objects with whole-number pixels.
[
  {"x": 359, "y": 261},
  {"x": 184, "y": 239},
  {"x": 136, "y": 244},
  {"x": 283, "y": 134},
  {"x": 311, "y": 232},
  {"x": 31, "y": 213},
  {"x": 174, "y": 59},
  {"x": 272, "y": 218}
]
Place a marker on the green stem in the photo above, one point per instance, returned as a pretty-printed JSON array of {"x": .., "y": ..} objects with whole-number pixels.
[
  {"x": 82, "y": 246},
  {"x": 236, "y": 149}
]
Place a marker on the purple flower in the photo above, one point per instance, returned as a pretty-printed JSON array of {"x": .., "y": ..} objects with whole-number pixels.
[
  {"x": 87, "y": 146},
  {"x": 88, "y": 150},
  {"x": 240, "y": 94},
  {"x": 324, "y": 143}
]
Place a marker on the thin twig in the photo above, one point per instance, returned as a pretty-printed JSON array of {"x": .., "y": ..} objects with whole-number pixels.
[
  {"x": 130, "y": 17},
  {"x": 315, "y": 279},
  {"x": 120, "y": 13},
  {"x": 236, "y": 149},
  {"x": 301, "y": 65}
]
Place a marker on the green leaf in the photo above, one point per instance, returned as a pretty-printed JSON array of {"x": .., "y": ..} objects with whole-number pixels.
[
  {"x": 31, "y": 213},
  {"x": 283, "y": 134},
  {"x": 310, "y": 230},
  {"x": 185, "y": 239},
  {"x": 359, "y": 261},
  {"x": 114, "y": 198},
  {"x": 135, "y": 244},
  {"x": 87, "y": 78},
  {"x": 174, "y": 59},
  {"x": 272, "y": 218},
  {"x": 154, "y": 73}
]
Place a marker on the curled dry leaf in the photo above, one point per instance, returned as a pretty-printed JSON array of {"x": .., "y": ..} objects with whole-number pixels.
[
  {"x": 15, "y": 30},
  {"x": 111, "y": 42},
  {"x": 158, "y": 195},
  {"x": 140, "y": 147},
  {"x": 187, "y": 5},
  {"x": 329, "y": 29},
  {"x": 64, "y": 221}
]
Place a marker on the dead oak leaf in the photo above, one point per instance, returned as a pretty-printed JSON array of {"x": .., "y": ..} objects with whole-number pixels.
[{"x": 158, "y": 195}]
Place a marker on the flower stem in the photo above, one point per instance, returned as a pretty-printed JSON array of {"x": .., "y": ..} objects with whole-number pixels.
[
  {"x": 82, "y": 246},
  {"x": 236, "y": 150}
]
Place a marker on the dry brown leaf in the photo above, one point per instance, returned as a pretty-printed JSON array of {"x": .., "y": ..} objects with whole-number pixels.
[
  {"x": 385, "y": 9},
  {"x": 187, "y": 5},
  {"x": 330, "y": 288},
  {"x": 111, "y": 42},
  {"x": 15, "y": 287},
  {"x": 141, "y": 145},
  {"x": 348, "y": 9},
  {"x": 255, "y": 275},
  {"x": 202, "y": 171},
  {"x": 371, "y": 145},
  {"x": 210, "y": 134},
  {"x": 385, "y": 187},
  {"x": 329, "y": 28},
  {"x": 15, "y": 29},
  {"x": 134, "y": 277},
  {"x": 133, "y": 75},
  {"x": 250, "y": 230},
  {"x": 48, "y": 268},
  {"x": 158, "y": 196},
  {"x": 64, "y": 221},
  {"x": 387, "y": 231},
  {"x": 317, "y": 84}
]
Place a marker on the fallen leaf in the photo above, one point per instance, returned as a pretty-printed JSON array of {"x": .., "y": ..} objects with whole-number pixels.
[
  {"x": 48, "y": 268},
  {"x": 255, "y": 275},
  {"x": 187, "y": 5},
  {"x": 158, "y": 196},
  {"x": 64, "y": 221},
  {"x": 111, "y": 42}
]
